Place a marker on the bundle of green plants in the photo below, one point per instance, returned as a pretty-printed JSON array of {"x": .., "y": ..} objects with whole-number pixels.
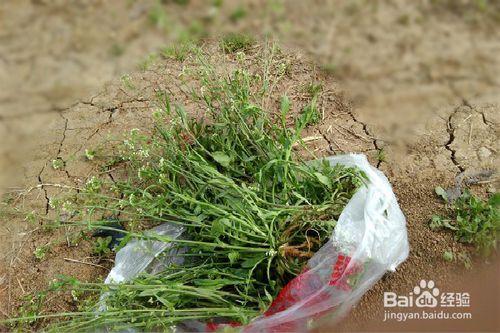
[{"x": 254, "y": 211}]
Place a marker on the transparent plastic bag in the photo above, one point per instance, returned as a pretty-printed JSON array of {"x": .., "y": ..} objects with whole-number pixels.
[
  {"x": 139, "y": 255},
  {"x": 369, "y": 239}
]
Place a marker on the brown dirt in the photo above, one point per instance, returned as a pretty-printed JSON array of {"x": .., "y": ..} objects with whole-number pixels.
[{"x": 422, "y": 77}]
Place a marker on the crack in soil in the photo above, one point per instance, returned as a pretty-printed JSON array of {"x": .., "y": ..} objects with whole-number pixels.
[
  {"x": 483, "y": 118},
  {"x": 40, "y": 181},
  {"x": 325, "y": 137},
  {"x": 368, "y": 134},
  {"x": 61, "y": 143},
  {"x": 39, "y": 177},
  {"x": 451, "y": 132}
]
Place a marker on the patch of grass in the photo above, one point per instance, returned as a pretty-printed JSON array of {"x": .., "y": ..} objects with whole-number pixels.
[
  {"x": 352, "y": 9},
  {"x": 329, "y": 68},
  {"x": 179, "y": 2},
  {"x": 58, "y": 163},
  {"x": 238, "y": 14},
  {"x": 101, "y": 246},
  {"x": 149, "y": 60},
  {"x": 473, "y": 220},
  {"x": 195, "y": 32},
  {"x": 476, "y": 12},
  {"x": 381, "y": 155},
  {"x": 158, "y": 16},
  {"x": 235, "y": 42},
  {"x": 217, "y": 3},
  {"x": 404, "y": 19},
  {"x": 31, "y": 307},
  {"x": 448, "y": 256},
  {"x": 313, "y": 89},
  {"x": 116, "y": 50},
  {"x": 90, "y": 154},
  {"x": 41, "y": 252},
  {"x": 127, "y": 82},
  {"x": 460, "y": 257},
  {"x": 465, "y": 259},
  {"x": 178, "y": 51},
  {"x": 277, "y": 7}
]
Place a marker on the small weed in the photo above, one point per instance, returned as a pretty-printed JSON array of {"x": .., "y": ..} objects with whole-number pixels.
[
  {"x": 217, "y": 3},
  {"x": 448, "y": 256},
  {"x": 314, "y": 89},
  {"x": 90, "y": 154},
  {"x": 233, "y": 42},
  {"x": 238, "y": 14},
  {"x": 101, "y": 246},
  {"x": 193, "y": 34},
  {"x": 158, "y": 17},
  {"x": 31, "y": 307},
  {"x": 178, "y": 52},
  {"x": 465, "y": 259},
  {"x": 276, "y": 7},
  {"x": 473, "y": 220},
  {"x": 31, "y": 217},
  {"x": 116, "y": 50},
  {"x": 352, "y": 9},
  {"x": 181, "y": 2},
  {"x": 41, "y": 252},
  {"x": 329, "y": 68},
  {"x": 58, "y": 163},
  {"x": 150, "y": 59},
  {"x": 461, "y": 257},
  {"x": 127, "y": 82},
  {"x": 404, "y": 19},
  {"x": 381, "y": 156}
]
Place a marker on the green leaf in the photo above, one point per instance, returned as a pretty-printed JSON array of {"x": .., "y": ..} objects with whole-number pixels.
[
  {"x": 251, "y": 262},
  {"x": 165, "y": 302},
  {"x": 221, "y": 158},
  {"x": 495, "y": 200},
  {"x": 233, "y": 257},
  {"x": 268, "y": 295},
  {"x": 323, "y": 179},
  {"x": 285, "y": 105},
  {"x": 448, "y": 256},
  {"x": 148, "y": 292},
  {"x": 218, "y": 227},
  {"x": 436, "y": 222}
]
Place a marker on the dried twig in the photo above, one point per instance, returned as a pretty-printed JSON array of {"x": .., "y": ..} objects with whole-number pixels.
[{"x": 84, "y": 262}]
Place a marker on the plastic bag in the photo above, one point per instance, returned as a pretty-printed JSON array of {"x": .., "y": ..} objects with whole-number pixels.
[
  {"x": 369, "y": 239},
  {"x": 138, "y": 255}
]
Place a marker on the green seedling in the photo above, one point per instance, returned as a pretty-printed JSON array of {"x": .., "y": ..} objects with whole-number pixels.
[
  {"x": 101, "y": 246},
  {"x": 41, "y": 252},
  {"x": 58, "y": 163},
  {"x": 473, "y": 220},
  {"x": 235, "y": 42},
  {"x": 448, "y": 256},
  {"x": 238, "y": 14}
]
